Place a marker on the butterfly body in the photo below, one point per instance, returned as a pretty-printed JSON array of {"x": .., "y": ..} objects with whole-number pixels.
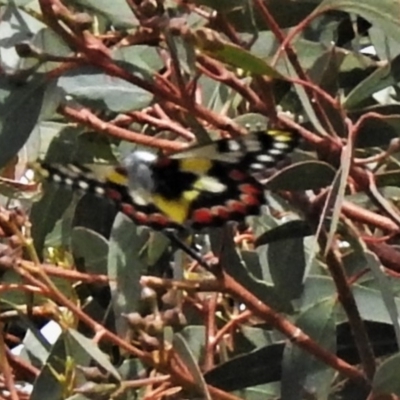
[{"x": 207, "y": 186}]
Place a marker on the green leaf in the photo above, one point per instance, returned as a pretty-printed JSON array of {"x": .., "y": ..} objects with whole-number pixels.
[
  {"x": 383, "y": 77},
  {"x": 16, "y": 26},
  {"x": 50, "y": 43},
  {"x": 286, "y": 260},
  {"x": 301, "y": 372},
  {"x": 124, "y": 269},
  {"x": 143, "y": 60},
  {"x": 60, "y": 235},
  {"x": 288, "y": 230},
  {"x": 46, "y": 384},
  {"x": 208, "y": 42},
  {"x": 91, "y": 86},
  {"x": 371, "y": 305},
  {"x": 117, "y": 12},
  {"x": 20, "y": 107},
  {"x": 234, "y": 265},
  {"x": 388, "y": 126},
  {"x": 92, "y": 247},
  {"x": 314, "y": 175},
  {"x": 47, "y": 212},
  {"x": 88, "y": 347},
  {"x": 253, "y": 368},
  {"x": 65, "y": 355},
  {"x": 382, "y": 14},
  {"x": 386, "y": 379},
  {"x": 387, "y": 291},
  {"x": 182, "y": 348}
]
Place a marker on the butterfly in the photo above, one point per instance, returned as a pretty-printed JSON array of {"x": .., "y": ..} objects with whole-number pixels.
[{"x": 201, "y": 187}]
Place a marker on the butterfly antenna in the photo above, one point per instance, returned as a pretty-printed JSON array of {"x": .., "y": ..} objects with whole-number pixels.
[{"x": 172, "y": 236}]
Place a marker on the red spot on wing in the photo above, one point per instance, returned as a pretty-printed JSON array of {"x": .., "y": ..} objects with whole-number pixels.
[
  {"x": 153, "y": 220},
  {"x": 113, "y": 194},
  {"x": 221, "y": 212},
  {"x": 141, "y": 218},
  {"x": 128, "y": 210},
  {"x": 159, "y": 220},
  {"x": 202, "y": 216},
  {"x": 138, "y": 217},
  {"x": 249, "y": 200},
  {"x": 236, "y": 206},
  {"x": 237, "y": 175},
  {"x": 250, "y": 189}
]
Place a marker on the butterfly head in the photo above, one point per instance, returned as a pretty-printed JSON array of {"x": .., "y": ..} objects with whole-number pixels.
[{"x": 138, "y": 170}]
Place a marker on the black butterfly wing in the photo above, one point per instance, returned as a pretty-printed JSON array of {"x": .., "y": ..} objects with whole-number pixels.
[
  {"x": 199, "y": 192},
  {"x": 212, "y": 184},
  {"x": 107, "y": 182},
  {"x": 206, "y": 186},
  {"x": 252, "y": 152}
]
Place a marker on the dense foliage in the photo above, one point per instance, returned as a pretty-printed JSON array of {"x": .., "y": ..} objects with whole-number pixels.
[{"x": 300, "y": 302}]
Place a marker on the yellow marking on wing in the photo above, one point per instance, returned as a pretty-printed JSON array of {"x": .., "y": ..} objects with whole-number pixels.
[
  {"x": 117, "y": 178},
  {"x": 176, "y": 210},
  {"x": 190, "y": 195},
  {"x": 283, "y": 136},
  {"x": 199, "y": 166},
  {"x": 38, "y": 170}
]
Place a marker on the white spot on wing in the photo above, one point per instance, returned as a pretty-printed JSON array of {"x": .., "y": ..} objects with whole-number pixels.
[
  {"x": 65, "y": 169},
  {"x": 56, "y": 178},
  {"x": 253, "y": 145},
  {"x": 209, "y": 184},
  {"x": 99, "y": 191},
  {"x": 257, "y": 166},
  {"x": 275, "y": 152},
  {"x": 281, "y": 145},
  {"x": 74, "y": 169},
  {"x": 229, "y": 157},
  {"x": 233, "y": 145},
  {"x": 265, "y": 158},
  {"x": 140, "y": 197},
  {"x": 83, "y": 185}
]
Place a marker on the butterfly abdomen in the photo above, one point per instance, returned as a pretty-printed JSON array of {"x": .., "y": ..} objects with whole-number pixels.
[{"x": 70, "y": 175}]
